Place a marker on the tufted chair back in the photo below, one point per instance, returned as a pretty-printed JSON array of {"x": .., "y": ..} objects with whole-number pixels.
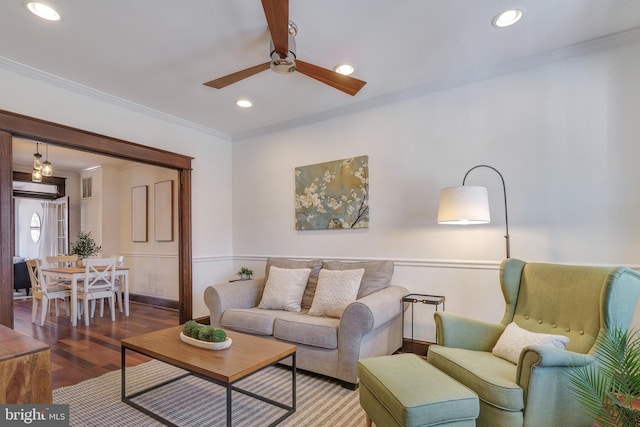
[{"x": 576, "y": 301}]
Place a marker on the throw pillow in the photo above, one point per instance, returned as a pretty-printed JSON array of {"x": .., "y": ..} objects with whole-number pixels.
[
  {"x": 335, "y": 291},
  {"x": 284, "y": 288},
  {"x": 514, "y": 339},
  {"x": 377, "y": 274},
  {"x": 315, "y": 265}
]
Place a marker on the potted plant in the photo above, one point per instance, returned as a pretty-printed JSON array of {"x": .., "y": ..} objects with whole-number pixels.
[
  {"x": 610, "y": 388},
  {"x": 244, "y": 273},
  {"x": 85, "y": 246}
]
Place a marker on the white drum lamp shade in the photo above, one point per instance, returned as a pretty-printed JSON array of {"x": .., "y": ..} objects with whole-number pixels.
[{"x": 464, "y": 204}]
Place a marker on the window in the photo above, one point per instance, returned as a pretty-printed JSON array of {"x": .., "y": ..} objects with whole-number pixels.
[{"x": 35, "y": 227}]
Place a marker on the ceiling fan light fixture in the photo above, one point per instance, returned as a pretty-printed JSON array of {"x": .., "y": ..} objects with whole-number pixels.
[
  {"x": 507, "y": 18},
  {"x": 282, "y": 65},
  {"x": 344, "y": 69},
  {"x": 244, "y": 103},
  {"x": 43, "y": 10}
]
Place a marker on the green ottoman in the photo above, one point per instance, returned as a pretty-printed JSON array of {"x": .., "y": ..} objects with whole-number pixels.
[{"x": 405, "y": 390}]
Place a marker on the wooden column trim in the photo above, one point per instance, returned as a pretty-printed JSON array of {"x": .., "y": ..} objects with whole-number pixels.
[
  {"x": 184, "y": 264},
  {"x": 7, "y": 234}
]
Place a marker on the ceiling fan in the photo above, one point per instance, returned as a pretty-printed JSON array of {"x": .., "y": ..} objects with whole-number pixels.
[{"x": 283, "y": 55}]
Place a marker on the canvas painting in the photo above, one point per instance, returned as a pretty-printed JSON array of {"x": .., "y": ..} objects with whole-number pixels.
[{"x": 333, "y": 195}]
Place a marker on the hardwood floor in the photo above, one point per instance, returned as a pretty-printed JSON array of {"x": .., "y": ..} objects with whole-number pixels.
[{"x": 79, "y": 353}]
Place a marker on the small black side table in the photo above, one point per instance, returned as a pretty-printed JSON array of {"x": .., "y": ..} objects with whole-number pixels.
[{"x": 413, "y": 299}]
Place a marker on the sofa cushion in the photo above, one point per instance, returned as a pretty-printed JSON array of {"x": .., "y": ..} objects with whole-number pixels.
[
  {"x": 335, "y": 291},
  {"x": 250, "y": 320},
  {"x": 315, "y": 265},
  {"x": 284, "y": 288},
  {"x": 301, "y": 328},
  {"x": 377, "y": 274},
  {"x": 514, "y": 339},
  {"x": 491, "y": 377}
]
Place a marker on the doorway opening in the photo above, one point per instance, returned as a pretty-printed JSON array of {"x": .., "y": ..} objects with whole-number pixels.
[{"x": 15, "y": 125}]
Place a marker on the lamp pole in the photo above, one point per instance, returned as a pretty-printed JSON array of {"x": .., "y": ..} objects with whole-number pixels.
[{"x": 504, "y": 191}]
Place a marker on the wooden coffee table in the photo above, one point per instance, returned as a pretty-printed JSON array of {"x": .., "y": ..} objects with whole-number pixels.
[{"x": 248, "y": 354}]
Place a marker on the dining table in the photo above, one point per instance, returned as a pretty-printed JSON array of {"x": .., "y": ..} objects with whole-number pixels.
[{"x": 75, "y": 274}]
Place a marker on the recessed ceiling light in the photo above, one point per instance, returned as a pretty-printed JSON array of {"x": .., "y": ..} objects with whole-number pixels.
[
  {"x": 344, "y": 69},
  {"x": 43, "y": 10},
  {"x": 244, "y": 103},
  {"x": 507, "y": 18}
]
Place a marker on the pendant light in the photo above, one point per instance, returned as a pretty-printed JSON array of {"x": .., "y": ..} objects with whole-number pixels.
[
  {"x": 37, "y": 158},
  {"x": 47, "y": 167},
  {"x": 36, "y": 175}
]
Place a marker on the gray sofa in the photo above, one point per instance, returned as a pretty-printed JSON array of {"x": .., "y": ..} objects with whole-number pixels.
[{"x": 369, "y": 326}]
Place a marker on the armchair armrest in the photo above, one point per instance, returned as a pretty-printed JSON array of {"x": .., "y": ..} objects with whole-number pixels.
[
  {"x": 544, "y": 356},
  {"x": 542, "y": 373},
  {"x": 462, "y": 332},
  {"x": 240, "y": 294}
]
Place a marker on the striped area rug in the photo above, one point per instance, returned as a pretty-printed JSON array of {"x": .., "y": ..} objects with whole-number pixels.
[{"x": 195, "y": 402}]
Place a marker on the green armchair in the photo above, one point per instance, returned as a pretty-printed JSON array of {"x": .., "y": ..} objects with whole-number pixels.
[{"x": 575, "y": 301}]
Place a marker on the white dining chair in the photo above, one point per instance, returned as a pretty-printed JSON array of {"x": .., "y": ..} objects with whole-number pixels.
[
  {"x": 44, "y": 292},
  {"x": 98, "y": 283},
  {"x": 119, "y": 286},
  {"x": 62, "y": 260}
]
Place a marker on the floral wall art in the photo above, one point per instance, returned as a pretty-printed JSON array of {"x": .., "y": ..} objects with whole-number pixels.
[{"x": 333, "y": 195}]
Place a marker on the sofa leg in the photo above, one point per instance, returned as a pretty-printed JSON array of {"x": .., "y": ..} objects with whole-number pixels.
[
  {"x": 348, "y": 385},
  {"x": 368, "y": 420}
]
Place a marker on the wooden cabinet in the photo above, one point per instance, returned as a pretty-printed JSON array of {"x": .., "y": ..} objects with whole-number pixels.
[{"x": 25, "y": 369}]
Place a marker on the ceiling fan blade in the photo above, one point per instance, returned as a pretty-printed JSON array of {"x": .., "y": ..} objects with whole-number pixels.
[
  {"x": 221, "y": 82},
  {"x": 347, "y": 84},
  {"x": 277, "y": 13}
]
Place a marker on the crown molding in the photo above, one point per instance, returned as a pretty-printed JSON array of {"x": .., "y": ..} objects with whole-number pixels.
[{"x": 52, "y": 79}]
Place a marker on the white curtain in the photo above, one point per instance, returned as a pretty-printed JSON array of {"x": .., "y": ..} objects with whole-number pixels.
[{"x": 49, "y": 231}]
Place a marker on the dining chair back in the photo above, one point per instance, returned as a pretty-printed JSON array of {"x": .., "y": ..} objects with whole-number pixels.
[
  {"x": 43, "y": 291},
  {"x": 62, "y": 260},
  {"x": 98, "y": 283}
]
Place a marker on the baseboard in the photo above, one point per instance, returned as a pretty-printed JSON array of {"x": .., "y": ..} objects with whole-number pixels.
[{"x": 155, "y": 301}]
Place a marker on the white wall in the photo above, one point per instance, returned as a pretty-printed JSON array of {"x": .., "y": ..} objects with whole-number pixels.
[
  {"x": 563, "y": 135},
  {"x": 211, "y": 201},
  {"x": 153, "y": 264}
]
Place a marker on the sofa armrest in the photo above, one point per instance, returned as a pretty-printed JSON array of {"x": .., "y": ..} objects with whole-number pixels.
[
  {"x": 239, "y": 294},
  {"x": 370, "y": 312},
  {"x": 462, "y": 332}
]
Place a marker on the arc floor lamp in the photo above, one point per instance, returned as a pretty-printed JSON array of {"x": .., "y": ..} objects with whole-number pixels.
[{"x": 468, "y": 204}]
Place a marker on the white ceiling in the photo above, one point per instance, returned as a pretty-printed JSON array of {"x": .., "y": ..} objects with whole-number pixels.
[{"x": 155, "y": 54}]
